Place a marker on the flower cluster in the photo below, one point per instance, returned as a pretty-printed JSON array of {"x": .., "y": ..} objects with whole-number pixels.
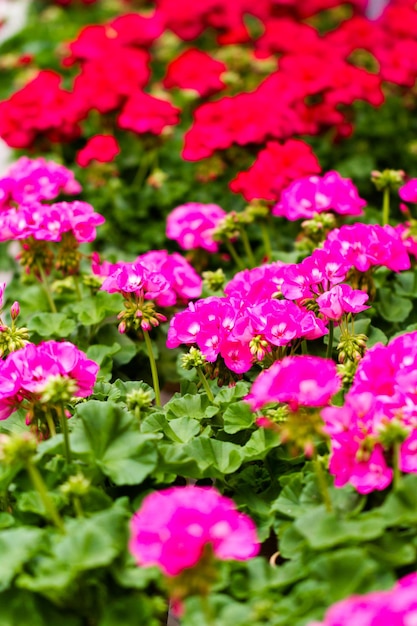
[
  {"x": 275, "y": 167},
  {"x": 296, "y": 381},
  {"x": 34, "y": 180},
  {"x": 27, "y": 375},
  {"x": 395, "y": 606},
  {"x": 156, "y": 278},
  {"x": 192, "y": 225},
  {"x": 369, "y": 245},
  {"x": 376, "y": 427},
  {"x": 173, "y": 527},
  {"x": 307, "y": 196},
  {"x": 242, "y": 331}
]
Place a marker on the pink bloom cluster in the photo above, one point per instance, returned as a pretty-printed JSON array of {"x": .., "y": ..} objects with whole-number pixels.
[
  {"x": 297, "y": 381},
  {"x": 247, "y": 324},
  {"x": 173, "y": 527},
  {"x": 192, "y": 225},
  {"x": 380, "y": 410},
  {"x": 49, "y": 222},
  {"x": 275, "y": 167},
  {"x": 397, "y": 607},
  {"x": 33, "y": 180},
  {"x": 168, "y": 279},
  {"x": 314, "y": 194},
  {"x": 25, "y": 373},
  {"x": 368, "y": 245},
  {"x": 408, "y": 192}
]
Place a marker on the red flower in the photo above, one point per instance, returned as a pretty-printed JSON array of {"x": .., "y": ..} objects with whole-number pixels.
[
  {"x": 102, "y": 148},
  {"x": 194, "y": 69}
]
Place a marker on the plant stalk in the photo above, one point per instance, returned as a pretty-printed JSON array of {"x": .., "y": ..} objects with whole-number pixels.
[
  {"x": 39, "y": 485},
  {"x": 154, "y": 370}
]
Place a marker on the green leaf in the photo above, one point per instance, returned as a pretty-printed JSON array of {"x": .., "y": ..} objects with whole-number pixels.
[
  {"x": 17, "y": 546},
  {"x": 201, "y": 457},
  {"x": 95, "y": 309},
  {"x": 346, "y": 571},
  {"x": 88, "y": 544},
  {"x": 324, "y": 529},
  {"x": 197, "y": 406},
  {"x": 238, "y": 416},
  {"x": 393, "y": 308},
  {"x": 110, "y": 438},
  {"x": 51, "y": 325}
]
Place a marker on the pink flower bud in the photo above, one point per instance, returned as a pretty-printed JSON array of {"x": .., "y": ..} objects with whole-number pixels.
[{"x": 15, "y": 310}]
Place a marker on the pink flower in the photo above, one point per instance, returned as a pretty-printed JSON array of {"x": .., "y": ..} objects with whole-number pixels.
[
  {"x": 408, "y": 192},
  {"x": 102, "y": 148},
  {"x": 25, "y": 373},
  {"x": 192, "y": 225},
  {"x": 396, "y": 606},
  {"x": 296, "y": 380},
  {"x": 341, "y": 299},
  {"x": 307, "y": 196},
  {"x": 174, "y": 525}
]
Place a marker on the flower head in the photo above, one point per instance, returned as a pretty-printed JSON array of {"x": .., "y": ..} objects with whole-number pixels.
[{"x": 174, "y": 525}]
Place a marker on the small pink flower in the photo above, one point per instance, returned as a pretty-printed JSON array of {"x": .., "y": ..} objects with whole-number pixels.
[
  {"x": 341, "y": 299},
  {"x": 174, "y": 525},
  {"x": 408, "y": 192},
  {"x": 296, "y": 380},
  {"x": 191, "y": 225}
]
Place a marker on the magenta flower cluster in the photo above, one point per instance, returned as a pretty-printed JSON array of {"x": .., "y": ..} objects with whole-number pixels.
[
  {"x": 395, "y": 607},
  {"x": 166, "y": 278},
  {"x": 379, "y": 416},
  {"x": 25, "y": 373},
  {"x": 296, "y": 381},
  {"x": 24, "y": 212},
  {"x": 308, "y": 196},
  {"x": 173, "y": 527},
  {"x": 192, "y": 225}
]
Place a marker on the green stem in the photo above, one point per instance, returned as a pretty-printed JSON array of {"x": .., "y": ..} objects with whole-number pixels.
[
  {"x": 396, "y": 463},
  {"x": 208, "y": 613},
  {"x": 77, "y": 506},
  {"x": 77, "y": 288},
  {"x": 46, "y": 287},
  {"x": 39, "y": 485},
  {"x": 232, "y": 251},
  {"x": 322, "y": 483},
  {"x": 385, "y": 206},
  {"x": 154, "y": 370},
  {"x": 330, "y": 344},
  {"x": 51, "y": 424},
  {"x": 64, "y": 428},
  {"x": 205, "y": 384},
  {"x": 248, "y": 248},
  {"x": 267, "y": 241},
  {"x": 304, "y": 348}
]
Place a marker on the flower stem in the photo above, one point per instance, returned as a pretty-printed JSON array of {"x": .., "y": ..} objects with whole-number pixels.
[
  {"x": 385, "y": 206},
  {"x": 322, "y": 483},
  {"x": 64, "y": 428},
  {"x": 248, "y": 248},
  {"x": 232, "y": 251},
  {"x": 396, "y": 464},
  {"x": 39, "y": 485},
  {"x": 51, "y": 424},
  {"x": 154, "y": 370},
  {"x": 330, "y": 344},
  {"x": 205, "y": 384},
  {"x": 267, "y": 241},
  {"x": 47, "y": 288}
]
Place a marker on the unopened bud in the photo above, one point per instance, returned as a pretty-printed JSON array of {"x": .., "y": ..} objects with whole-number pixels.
[{"x": 15, "y": 310}]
